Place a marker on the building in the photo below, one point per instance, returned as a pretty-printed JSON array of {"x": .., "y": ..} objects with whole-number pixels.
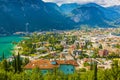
[
  {"x": 66, "y": 66},
  {"x": 103, "y": 53},
  {"x": 77, "y": 52}
]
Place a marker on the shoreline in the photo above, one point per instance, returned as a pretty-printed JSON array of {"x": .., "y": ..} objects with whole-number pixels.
[
  {"x": 15, "y": 50},
  {"x": 7, "y": 45},
  {"x": 16, "y": 47}
]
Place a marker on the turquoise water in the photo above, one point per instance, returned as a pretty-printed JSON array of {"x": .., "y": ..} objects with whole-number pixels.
[
  {"x": 67, "y": 68},
  {"x": 6, "y": 45}
]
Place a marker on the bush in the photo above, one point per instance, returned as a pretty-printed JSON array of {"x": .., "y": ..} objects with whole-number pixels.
[{"x": 82, "y": 70}]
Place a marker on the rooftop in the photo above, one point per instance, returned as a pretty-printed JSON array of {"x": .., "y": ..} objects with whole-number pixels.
[{"x": 47, "y": 64}]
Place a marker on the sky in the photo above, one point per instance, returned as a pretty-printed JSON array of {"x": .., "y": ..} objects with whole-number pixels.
[{"x": 104, "y": 3}]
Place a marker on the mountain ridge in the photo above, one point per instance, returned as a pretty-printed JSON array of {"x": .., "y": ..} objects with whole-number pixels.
[
  {"x": 38, "y": 15},
  {"x": 29, "y": 15}
]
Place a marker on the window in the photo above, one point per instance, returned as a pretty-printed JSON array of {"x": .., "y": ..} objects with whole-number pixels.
[
  {"x": 71, "y": 69},
  {"x": 67, "y": 69}
]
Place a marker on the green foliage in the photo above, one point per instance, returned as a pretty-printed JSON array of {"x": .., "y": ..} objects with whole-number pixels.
[
  {"x": 17, "y": 63},
  {"x": 5, "y": 65},
  {"x": 82, "y": 70},
  {"x": 59, "y": 48},
  {"x": 42, "y": 51},
  {"x": 39, "y": 40},
  {"x": 100, "y": 47},
  {"x": 86, "y": 64},
  {"x": 25, "y": 61},
  {"x": 108, "y": 74},
  {"x": 117, "y": 46},
  {"x": 95, "y": 71},
  {"x": 113, "y": 55},
  {"x": 115, "y": 71}
]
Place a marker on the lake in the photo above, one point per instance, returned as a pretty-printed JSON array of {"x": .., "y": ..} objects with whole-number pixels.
[{"x": 6, "y": 45}]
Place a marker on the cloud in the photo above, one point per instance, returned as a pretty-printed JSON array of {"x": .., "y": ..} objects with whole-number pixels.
[
  {"x": 101, "y": 2},
  {"x": 108, "y": 2}
]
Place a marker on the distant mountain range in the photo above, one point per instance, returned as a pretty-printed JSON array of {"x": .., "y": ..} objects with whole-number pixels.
[
  {"x": 92, "y": 14},
  {"x": 36, "y": 15},
  {"x": 115, "y": 8}
]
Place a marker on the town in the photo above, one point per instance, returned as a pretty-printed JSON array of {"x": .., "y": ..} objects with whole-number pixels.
[
  {"x": 76, "y": 48},
  {"x": 86, "y": 54}
]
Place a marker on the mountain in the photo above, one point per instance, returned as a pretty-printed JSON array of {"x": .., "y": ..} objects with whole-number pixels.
[
  {"x": 117, "y": 22},
  {"x": 115, "y": 8},
  {"x": 93, "y": 15},
  {"x": 67, "y": 8},
  {"x": 53, "y": 5},
  {"x": 36, "y": 15},
  {"x": 31, "y": 15},
  {"x": 110, "y": 14}
]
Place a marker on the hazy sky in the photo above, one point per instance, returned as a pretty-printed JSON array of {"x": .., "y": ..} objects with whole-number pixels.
[{"x": 101, "y": 2}]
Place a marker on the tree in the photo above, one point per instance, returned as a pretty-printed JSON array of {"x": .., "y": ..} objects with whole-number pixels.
[
  {"x": 100, "y": 47},
  {"x": 95, "y": 70},
  {"x": 14, "y": 64},
  {"x": 91, "y": 64},
  {"x": 25, "y": 61},
  {"x": 78, "y": 46},
  {"x": 5, "y": 65},
  {"x": 36, "y": 74},
  {"x": 115, "y": 71},
  {"x": 18, "y": 63},
  {"x": 59, "y": 47}
]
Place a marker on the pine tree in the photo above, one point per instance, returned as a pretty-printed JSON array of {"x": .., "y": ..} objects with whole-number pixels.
[
  {"x": 18, "y": 63},
  {"x": 14, "y": 64},
  {"x": 95, "y": 70}
]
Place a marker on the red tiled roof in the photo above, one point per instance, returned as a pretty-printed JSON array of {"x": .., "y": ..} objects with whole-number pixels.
[
  {"x": 72, "y": 62},
  {"x": 42, "y": 64},
  {"x": 46, "y": 64}
]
